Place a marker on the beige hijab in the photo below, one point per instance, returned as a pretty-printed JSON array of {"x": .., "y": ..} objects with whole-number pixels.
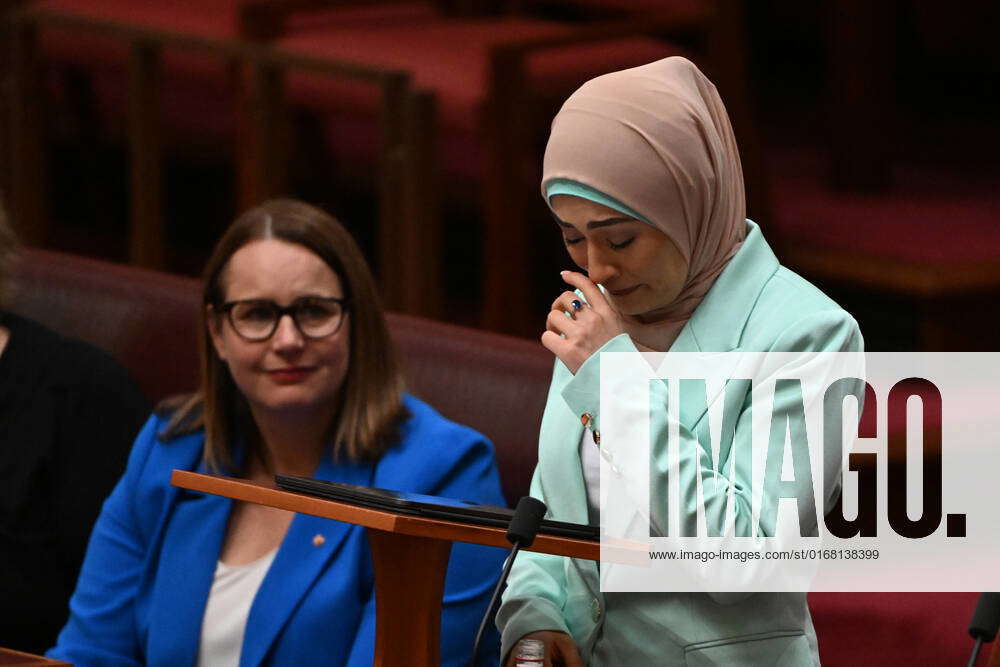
[{"x": 657, "y": 139}]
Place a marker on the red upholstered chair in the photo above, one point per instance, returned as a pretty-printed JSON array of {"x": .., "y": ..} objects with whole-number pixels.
[
  {"x": 913, "y": 629},
  {"x": 897, "y": 220},
  {"x": 497, "y": 80},
  {"x": 110, "y": 62},
  {"x": 922, "y": 265},
  {"x": 176, "y": 77},
  {"x": 496, "y": 384},
  {"x": 148, "y": 320}
]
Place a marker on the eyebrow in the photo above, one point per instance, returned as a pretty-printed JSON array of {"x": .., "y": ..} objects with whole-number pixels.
[
  {"x": 298, "y": 298},
  {"x": 603, "y": 222}
]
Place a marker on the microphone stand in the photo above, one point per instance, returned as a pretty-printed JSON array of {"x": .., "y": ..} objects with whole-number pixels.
[
  {"x": 493, "y": 602},
  {"x": 521, "y": 533},
  {"x": 975, "y": 652},
  {"x": 984, "y": 623}
]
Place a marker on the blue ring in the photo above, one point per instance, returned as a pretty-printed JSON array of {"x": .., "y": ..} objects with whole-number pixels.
[{"x": 576, "y": 303}]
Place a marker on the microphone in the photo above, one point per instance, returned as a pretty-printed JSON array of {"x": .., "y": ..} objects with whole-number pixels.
[
  {"x": 984, "y": 623},
  {"x": 521, "y": 533},
  {"x": 525, "y": 522}
]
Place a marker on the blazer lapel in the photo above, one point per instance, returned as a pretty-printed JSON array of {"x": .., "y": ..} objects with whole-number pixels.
[
  {"x": 296, "y": 566},
  {"x": 562, "y": 463},
  {"x": 716, "y": 326},
  {"x": 718, "y": 323},
  {"x": 189, "y": 556}
]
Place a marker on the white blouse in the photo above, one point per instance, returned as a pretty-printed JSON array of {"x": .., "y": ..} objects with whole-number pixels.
[
  {"x": 229, "y": 601},
  {"x": 590, "y": 458}
]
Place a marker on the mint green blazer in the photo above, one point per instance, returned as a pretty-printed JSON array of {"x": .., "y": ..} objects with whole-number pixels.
[{"x": 755, "y": 305}]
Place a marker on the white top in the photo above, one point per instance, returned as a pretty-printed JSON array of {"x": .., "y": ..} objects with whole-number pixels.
[
  {"x": 590, "y": 458},
  {"x": 229, "y": 601}
]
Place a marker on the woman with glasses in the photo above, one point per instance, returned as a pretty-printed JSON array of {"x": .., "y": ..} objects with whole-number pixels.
[{"x": 299, "y": 377}]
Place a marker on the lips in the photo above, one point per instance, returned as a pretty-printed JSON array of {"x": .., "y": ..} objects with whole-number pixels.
[
  {"x": 623, "y": 292},
  {"x": 291, "y": 374}
]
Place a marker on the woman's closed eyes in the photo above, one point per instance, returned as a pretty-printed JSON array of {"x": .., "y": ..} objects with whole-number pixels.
[{"x": 611, "y": 244}]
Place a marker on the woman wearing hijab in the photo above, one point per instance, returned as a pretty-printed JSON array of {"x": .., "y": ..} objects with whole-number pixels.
[{"x": 643, "y": 176}]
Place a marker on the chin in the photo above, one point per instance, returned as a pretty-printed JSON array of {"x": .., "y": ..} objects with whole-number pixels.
[
  {"x": 645, "y": 306},
  {"x": 296, "y": 400},
  {"x": 629, "y": 307}
]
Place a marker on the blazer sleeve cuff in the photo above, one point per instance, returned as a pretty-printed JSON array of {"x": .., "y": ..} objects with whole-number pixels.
[{"x": 583, "y": 393}]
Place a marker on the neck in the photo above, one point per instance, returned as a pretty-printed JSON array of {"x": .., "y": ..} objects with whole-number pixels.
[
  {"x": 658, "y": 316},
  {"x": 654, "y": 331},
  {"x": 294, "y": 443}
]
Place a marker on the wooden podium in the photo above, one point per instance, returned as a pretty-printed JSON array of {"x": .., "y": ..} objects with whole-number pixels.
[
  {"x": 410, "y": 557},
  {"x": 12, "y": 658}
]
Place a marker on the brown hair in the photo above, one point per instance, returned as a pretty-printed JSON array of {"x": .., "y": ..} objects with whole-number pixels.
[
  {"x": 8, "y": 251},
  {"x": 368, "y": 409}
]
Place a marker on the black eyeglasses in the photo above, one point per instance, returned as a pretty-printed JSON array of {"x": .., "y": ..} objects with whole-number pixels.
[{"x": 257, "y": 319}]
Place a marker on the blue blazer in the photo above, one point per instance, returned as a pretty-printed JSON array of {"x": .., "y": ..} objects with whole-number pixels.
[{"x": 152, "y": 556}]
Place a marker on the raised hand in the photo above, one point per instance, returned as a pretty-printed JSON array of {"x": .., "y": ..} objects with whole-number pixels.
[{"x": 591, "y": 324}]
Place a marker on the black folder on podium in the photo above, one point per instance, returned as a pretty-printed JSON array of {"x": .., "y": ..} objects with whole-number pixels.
[{"x": 434, "y": 507}]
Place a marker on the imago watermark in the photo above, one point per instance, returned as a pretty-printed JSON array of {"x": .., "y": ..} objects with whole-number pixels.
[{"x": 744, "y": 472}]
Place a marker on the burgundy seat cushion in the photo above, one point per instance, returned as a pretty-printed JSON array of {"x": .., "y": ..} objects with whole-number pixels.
[
  {"x": 913, "y": 629},
  {"x": 495, "y": 384},
  {"x": 146, "y": 319},
  {"x": 934, "y": 216}
]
